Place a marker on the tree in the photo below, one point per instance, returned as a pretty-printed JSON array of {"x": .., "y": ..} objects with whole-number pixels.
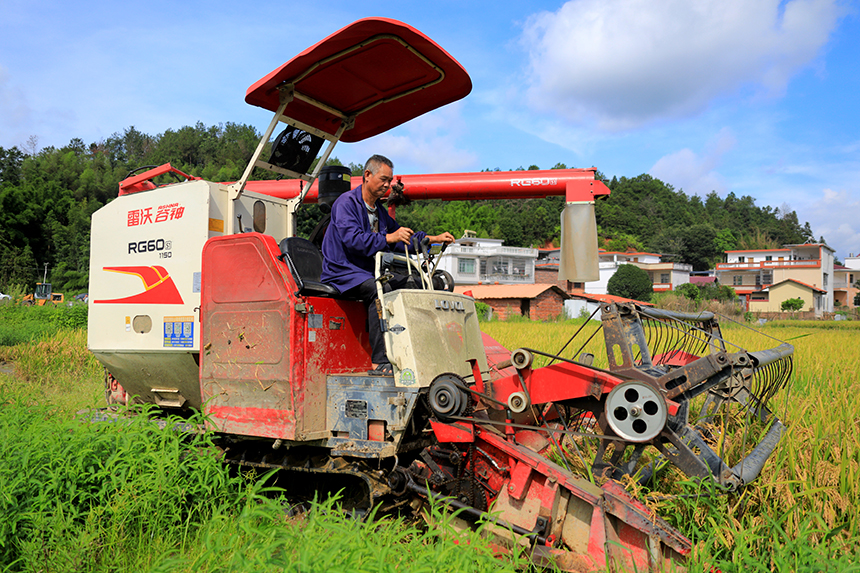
[
  {"x": 699, "y": 246},
  {"x": 690, "y": 291},
  {"x": 792, "y": 304},
  {"x": 10, "y": 166},
  {"x": 716, "y": 291},
  {"x": 629, "y": 281},
  {"x": 725, "y": 241},
  {"x": 32, "y": 145},
  {"x": 622, "y": 242}
]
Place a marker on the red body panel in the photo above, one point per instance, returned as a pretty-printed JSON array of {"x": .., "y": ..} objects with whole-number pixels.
[
  {"x": 342, "y": 344},
  {"x": 266, "y": 351},
  {"x": 555, "y": 383},
  {"x": 141, "y": 182}
]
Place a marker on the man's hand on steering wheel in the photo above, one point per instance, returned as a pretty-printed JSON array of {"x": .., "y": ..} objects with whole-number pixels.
[{"x": 445, "y": 238}]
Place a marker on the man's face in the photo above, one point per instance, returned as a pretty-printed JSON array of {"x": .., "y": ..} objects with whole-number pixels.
[{"x": 376, "y": 185}]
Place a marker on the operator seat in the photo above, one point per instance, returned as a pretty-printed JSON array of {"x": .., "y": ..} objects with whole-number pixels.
[{"x": 305, "y": 261}]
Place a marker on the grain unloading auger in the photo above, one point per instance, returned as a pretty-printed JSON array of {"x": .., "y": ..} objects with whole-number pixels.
[{"x": 232, "y": 319}]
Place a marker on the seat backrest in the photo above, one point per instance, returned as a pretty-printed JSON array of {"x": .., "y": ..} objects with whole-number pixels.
[{"x": 306, "y": 257}]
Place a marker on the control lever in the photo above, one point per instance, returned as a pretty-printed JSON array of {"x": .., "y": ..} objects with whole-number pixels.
[
  {"x": 385, "y": 274},
  {"x": 438, "y": 257}
]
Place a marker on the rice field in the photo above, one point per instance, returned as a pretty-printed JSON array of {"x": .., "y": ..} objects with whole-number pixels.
[{"x": 126, "y": 497}]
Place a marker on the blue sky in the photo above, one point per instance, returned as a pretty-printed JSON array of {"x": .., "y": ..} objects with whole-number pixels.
[{"x": 757, "y": 98}]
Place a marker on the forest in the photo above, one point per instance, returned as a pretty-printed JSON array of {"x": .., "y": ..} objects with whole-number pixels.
[{"x": 48, "y": 195}]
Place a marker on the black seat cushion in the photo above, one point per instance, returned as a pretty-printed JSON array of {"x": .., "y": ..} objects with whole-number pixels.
[{"x": 305, "y": 261}]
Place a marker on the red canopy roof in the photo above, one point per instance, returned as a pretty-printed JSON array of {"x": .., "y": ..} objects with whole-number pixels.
[{"x": 385, "y": 71}]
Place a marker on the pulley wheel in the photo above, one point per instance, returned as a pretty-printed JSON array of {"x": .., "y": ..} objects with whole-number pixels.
[
  {"x": 446, "y": 397},
  {"x": 517, "y": 402},
  {"x": 636, "y": 412},
  {"x": 521, "y": 358}
]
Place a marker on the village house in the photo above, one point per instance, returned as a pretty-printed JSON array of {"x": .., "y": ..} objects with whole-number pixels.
[
  {"x": 534, "y": 301},
  {"x": 472, "y": 260},
  {"x": 844, "y": 284},
  {"x": 764, "y": 278},
  {"x": 520, "y": 278}
]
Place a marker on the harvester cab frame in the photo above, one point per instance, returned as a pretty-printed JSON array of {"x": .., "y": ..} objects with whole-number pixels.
[{"x": 419, "y": 76}]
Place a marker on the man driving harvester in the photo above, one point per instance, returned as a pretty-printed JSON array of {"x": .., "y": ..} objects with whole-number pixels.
[{"x": 361, "y": 227}]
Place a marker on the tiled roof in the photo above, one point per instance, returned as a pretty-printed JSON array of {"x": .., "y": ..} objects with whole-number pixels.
[
  {"x": 757, "y": 250},
  {"x": 481, "y": 292},
  {"x": 607, "y": 298},
  {"x": 699, "y": 280},
  {"x": 809, "y": 286}
]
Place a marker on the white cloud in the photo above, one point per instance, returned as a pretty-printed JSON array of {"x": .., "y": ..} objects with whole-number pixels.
[
  {"x": 833, "y": 214},
  {"x": 427, "y": 144},
  {"x": 694, "y": 173},
  {"x": 625, "y": 63}
]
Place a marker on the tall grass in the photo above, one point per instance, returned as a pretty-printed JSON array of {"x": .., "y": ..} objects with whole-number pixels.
[
  {"x": 57, "y": 368},
  {"x": 22, "y": 324},
  {"x": 263, "y": 538},
  {"x": 129, "y": 495},
  {"x": 79, "y": 496},
  {"x": 116, "y": 492}
]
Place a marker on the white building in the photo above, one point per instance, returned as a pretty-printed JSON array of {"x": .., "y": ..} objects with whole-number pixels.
[
  {"x": 664, "y": 276},
  {"x": 471, "y": 260}
]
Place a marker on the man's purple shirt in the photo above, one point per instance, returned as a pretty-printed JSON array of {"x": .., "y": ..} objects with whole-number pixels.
[{"x": 350, "y": 245}]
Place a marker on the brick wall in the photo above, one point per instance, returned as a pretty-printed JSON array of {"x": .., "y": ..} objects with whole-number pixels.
[
  {"x": 550, "y": 277},
  {"x": 504, "y": 307},
  {"x": 546, "y": 306}
]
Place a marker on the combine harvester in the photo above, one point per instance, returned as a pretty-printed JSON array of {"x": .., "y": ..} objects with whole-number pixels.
[{"x": 203, "y": 297}]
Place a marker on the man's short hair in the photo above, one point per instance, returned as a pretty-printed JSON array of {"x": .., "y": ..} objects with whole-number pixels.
[{"x": 376, "y": 161}]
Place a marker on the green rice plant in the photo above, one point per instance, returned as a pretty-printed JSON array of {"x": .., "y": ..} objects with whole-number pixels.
[
  {"x": 21, "y": 324},
  {"x": 82, "y": 495},
  {"x": 59, "y": 367},
  {"x": 263, "y": 537}
]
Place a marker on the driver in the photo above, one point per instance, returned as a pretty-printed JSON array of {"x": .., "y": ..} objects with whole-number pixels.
[{"x": 360, "y": 227}]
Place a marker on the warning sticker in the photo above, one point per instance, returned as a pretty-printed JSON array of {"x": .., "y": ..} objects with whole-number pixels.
[{"x": 178, "y": 331}]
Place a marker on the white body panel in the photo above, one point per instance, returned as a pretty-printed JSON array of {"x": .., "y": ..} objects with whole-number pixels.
[
  {"x": 144, "y": 297},
  {"x": 431, "y": 332}
]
